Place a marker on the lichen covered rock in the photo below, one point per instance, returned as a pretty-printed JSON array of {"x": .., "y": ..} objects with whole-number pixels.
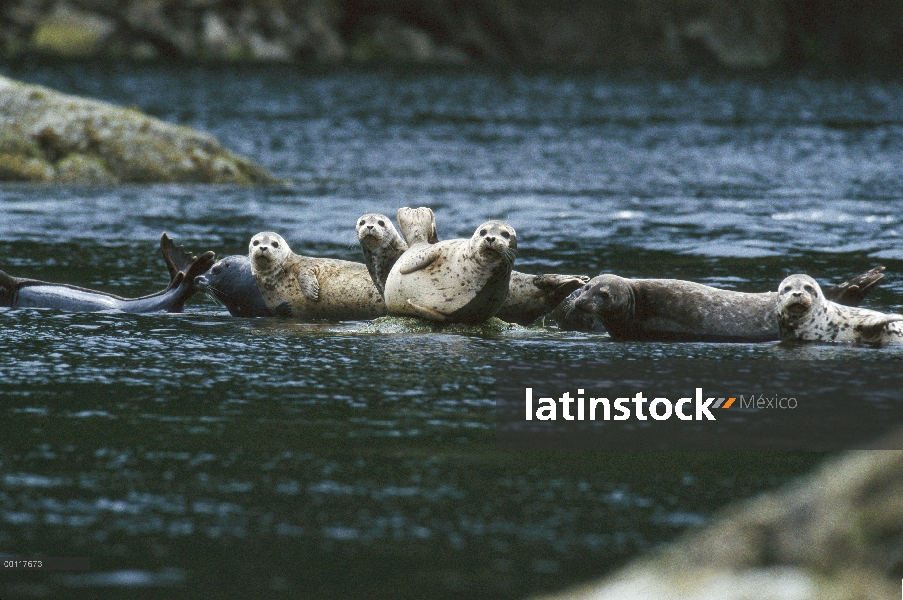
[{"x": 49, "y": 137}]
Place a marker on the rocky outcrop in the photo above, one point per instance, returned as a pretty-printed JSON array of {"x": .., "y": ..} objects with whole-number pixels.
[
  {"x": 733, "y": 33},
  {"x": 836, "y": 535},
  {"x": 46, "y": 136}
]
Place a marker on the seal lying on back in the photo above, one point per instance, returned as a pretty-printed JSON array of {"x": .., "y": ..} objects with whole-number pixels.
[
  {"x": 457, "y": 281},
  {"x": 671, "y": 309},
  {"x": 529, "y": 296},
  {"x": 382, "y": 246},
  {"x": 230, "y": 281},
  {"x": 183, "y": 266},
  {"x": 312, "y": 288},
  {"x": 805, "y": 314}
]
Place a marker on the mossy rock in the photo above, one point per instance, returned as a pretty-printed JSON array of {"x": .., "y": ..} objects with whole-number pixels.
[
  {"x": 493, "y": 326},
  {"x": 84, "y": 141}
]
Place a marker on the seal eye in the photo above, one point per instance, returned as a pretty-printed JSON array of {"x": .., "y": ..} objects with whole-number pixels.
[
  {"x": 216, "y": 270},
  {"x": 381, "y": 223},
  {"x": 275, "y": 244},
  {"x": 604, "y": 295},
  {"x": 506, "y": 235},
  {"x": 786, "y": 289},
  {"x": 361, "y": 224},
  {"x": 256, "y": 242},
  {"x": 482, "y": 232},
  {"x": 809, "y": 289}
]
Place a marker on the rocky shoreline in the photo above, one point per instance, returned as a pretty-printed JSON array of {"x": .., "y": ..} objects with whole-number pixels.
[
  {"x": 573, "y": 33},
  {"x": 49, "y": 137}
]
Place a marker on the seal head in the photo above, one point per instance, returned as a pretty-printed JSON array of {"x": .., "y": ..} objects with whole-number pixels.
[
  {"x": 230, "y": 282},
  {"x": 382, "y": 246},
  {"x": 611, "y": 302}
]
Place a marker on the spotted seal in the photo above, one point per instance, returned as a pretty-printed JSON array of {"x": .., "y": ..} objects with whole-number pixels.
[
  {"x": 460, "y": 281},
  {"x": 183, "y": 266},
  {"x": 671, "y": 309},
  {"x": 805, "y": 314},
  {"x": 382, "y": 246},
  {"x": 304, "y": 287},
  {"x": 529, "y": 296}
]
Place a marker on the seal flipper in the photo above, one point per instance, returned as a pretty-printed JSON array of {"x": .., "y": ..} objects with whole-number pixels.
[
  {"x": 177, "y": 258},
  {"x": 872, "y": 327},
  {"x": 310, "y": 287},
  {"x": 851, "y": 292},
  {"x": 8, "y": 287},
  {"x": 419, "y": 258},
  {"x": 427, "y": 313},
  {"x": 565, "y": 284}
]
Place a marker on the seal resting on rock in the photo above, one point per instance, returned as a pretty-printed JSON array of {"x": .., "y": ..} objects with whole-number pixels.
[
  {"x": 805, "y": 314},
  {"x": 183, "y": 267},
  {"x": 382, "y": 246},
  {"x": 312, "y": 288},
  {"x": 672, "y": 309},
  {"x": 529, "y": 296},
  {"x": 457, "y": 281}
]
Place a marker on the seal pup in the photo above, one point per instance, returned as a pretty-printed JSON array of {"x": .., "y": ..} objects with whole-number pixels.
[
  {"x": 382, "y": 246},
  {"x": 303, "y": 287},
  {"x": 529, "y": 296},
  {"x": 805, "y": 314},
  {"x": 458, "y": 281},
  {"x": 183, "y": 266},
  {"x": 231, "y": 282},
  {"x": 849, "y": 293}
]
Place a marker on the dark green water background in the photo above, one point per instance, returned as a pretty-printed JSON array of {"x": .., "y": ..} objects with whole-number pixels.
[{"x": 198, "y": 455}]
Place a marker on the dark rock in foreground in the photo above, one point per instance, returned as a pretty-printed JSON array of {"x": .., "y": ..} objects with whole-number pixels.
[
  {"x": 837, "y": 534},
  {"x": 49, "y": 137}
]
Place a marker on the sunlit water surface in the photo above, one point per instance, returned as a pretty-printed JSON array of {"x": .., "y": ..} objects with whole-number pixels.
[{"x": 206, "y": 456}]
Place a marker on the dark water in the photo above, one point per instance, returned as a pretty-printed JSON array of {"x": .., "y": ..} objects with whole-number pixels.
[{"x": 199, "y": 455}]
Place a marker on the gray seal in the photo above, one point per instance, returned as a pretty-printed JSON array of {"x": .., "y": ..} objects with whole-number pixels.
[
  {"x": 230, "y": 282},
  {"x": 310, "y": 288},
  {"x": 183, "y": 266},
  {"x": 849, "y": 293},
  {"x": 458, "y": 281},
  {"x": 676, "y": 310},
  {"x": 529, "y": 296},
  {"x": 382, "y": 246},
  {"x": 805, "y": 314}
]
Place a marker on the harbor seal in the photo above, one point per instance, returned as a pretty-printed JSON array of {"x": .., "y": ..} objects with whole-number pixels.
[
  {"x": 529, "y": 296},
  {"x": 304, "y": 287},
  {"x": 805, "y": 314},
  {"x": 183, "y": 266},
  {"x": 849, "y": 293},
  {"x": 676, "y": 310},
  {"x": 459, "y": 281},
  {"x": 382, "y": 246},
  {"x": 231, "y": 282}
]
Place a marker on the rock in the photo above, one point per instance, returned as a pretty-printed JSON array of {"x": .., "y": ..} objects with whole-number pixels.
[
  {"x": 836, "y": 534},
  {"x": 67, "y": 31},
  {"x": 493, "y": 326},
  {"x": 46, "y": 136}
]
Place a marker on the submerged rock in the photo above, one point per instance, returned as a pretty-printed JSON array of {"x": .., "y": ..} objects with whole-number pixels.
[
  {"x": 836, "y": 534},
  {"x": 47, "y": 136},
  {"x": 493, "y": 326}
]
